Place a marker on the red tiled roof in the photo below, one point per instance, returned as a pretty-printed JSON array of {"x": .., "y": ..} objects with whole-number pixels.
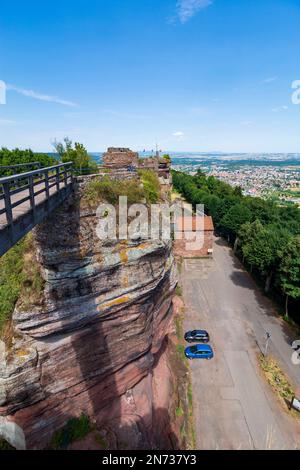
[{"x": 190, "y": 223}]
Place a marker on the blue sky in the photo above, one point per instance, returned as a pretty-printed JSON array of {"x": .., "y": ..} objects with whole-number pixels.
[{"x": 195, "y": 75}]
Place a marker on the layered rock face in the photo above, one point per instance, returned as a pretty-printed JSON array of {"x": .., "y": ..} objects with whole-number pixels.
[{"x": 91, "y": 343}]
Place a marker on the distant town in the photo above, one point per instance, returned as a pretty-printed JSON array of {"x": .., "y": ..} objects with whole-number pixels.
[{"x": 270, "y": 176}]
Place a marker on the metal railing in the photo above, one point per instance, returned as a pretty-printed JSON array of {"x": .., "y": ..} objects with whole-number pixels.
[
  {"x": 34, "y": 190},
  {"x": 20, "y": 165},
  {"x": 9, "y": 170}
]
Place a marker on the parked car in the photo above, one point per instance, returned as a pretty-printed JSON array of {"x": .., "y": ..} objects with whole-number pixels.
[
  {"x": 197, "y": 336},
  {"x": 199, "y": 351}
]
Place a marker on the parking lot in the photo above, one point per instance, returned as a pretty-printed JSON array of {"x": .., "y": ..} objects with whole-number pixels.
[{"x": 234, "y": 407}]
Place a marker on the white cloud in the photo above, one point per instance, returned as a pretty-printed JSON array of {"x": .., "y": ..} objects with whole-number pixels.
[
  {"x": 178, "y": 134},
  {"x": 186, "y": 9},
  {"x": 280, "y": 108},
  {"x": 41, "y": 97},
  {"x": 270, "y": 79}
]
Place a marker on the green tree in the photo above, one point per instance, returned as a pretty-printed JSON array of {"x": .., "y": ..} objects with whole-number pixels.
[
  {"x": 78, "y": 155},
  {"x": 234, "y": 218},
  {"x": 17, "y": 156},
  {"x": 262, "y": 251},
  {"x": 289, "y": 271},
  {"x": 238, "y": 191}
]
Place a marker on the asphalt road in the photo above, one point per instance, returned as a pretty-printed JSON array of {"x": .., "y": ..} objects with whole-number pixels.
[{"x": 234, "y": 407}]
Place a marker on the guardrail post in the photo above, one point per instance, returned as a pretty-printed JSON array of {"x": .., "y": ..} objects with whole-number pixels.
[
  {"x": 8, "y": 208},
  {"x": 71, "y": 174},
  {"x": 47, "y": 184},
  {"x": 57, "y": 178},
  {"x": 31, "y": 194},
  {"x": 66, "y": 175}
]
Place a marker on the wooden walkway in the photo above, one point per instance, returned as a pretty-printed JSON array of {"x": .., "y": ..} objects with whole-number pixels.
[{"x": 28, "y": 198}]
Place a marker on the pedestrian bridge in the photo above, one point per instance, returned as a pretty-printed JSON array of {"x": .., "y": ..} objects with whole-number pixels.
[{"x": 27, "y": 199}]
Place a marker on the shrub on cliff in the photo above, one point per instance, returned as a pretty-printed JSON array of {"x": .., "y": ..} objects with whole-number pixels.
[
  {"x": 11, "y": 277},
  {"x": 74, "y": 430}
]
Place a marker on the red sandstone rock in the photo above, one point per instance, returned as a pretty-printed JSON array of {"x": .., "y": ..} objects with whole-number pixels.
[{"x": 91, "y": 345}]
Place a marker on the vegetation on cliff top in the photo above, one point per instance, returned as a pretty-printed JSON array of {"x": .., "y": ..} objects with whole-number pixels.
[
  {"x": 137, "y": 189},
  {"x": 151, "y": 185},
  {"x": 20, "y": 279},
  {"x": 109, "y": 190}
]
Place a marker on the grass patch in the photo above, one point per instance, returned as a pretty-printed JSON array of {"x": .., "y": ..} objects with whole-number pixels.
[
  {"x": 179, "y": 327},
  {"x": 190, "y": 398},
  {"x": 183, "y": 433},
  {"x": 74, "y": 430},
  {"x": 180, "y": 349},
  {"x": 276, "y": 378},
  {"x": 20, "y": 279},
  {"x": 178, "y": 290},
  {"x": 191, "y": 415},
  {"x": 278, "y": 381},
  {"x": 179, "y": 412}
]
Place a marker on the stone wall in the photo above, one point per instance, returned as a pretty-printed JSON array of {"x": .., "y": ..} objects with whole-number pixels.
[
  {"x": 203, "y": 250},
  {"x": 148, "y": 163},
  {"x": 203, "y": 246},
  {"x": 120, "y": 158},
  {"x": 122, "y": 162}
]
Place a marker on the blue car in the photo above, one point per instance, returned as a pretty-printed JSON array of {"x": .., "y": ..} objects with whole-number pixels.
[{"x": 199, "y": 351}]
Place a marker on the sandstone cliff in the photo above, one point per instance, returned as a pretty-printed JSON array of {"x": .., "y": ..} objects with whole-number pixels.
[{"x": 93, "y": 342}]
